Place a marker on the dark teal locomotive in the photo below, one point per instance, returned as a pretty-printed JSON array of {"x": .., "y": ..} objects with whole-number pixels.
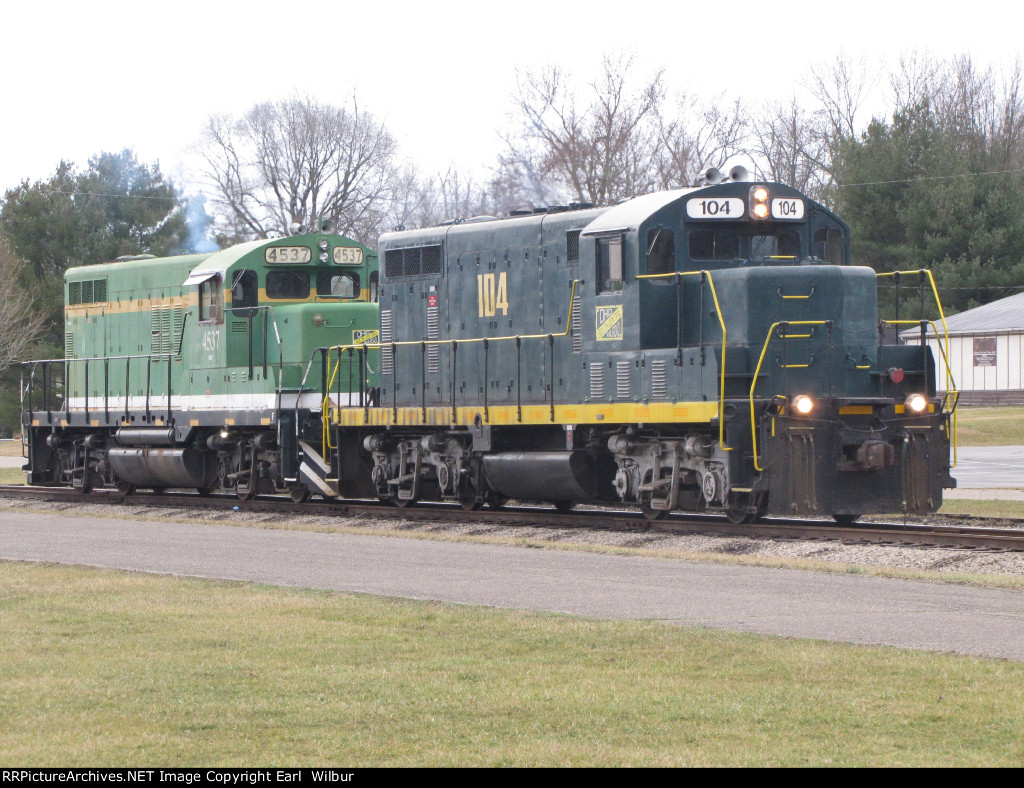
[
  {"x": 701, "y": 349},
  {"x": 202, "y": 371}
]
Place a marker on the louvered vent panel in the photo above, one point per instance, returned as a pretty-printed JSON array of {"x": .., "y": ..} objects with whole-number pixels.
[
  {"x": 577, "y": 324},
  {"x": 69, "y": 344},
  {"x": 659, "y": 380},
  {"x": 74, "y": 293},
  {"x": 87, "y": 292},
  {"x": 100, "y": 290},
  {"x": 387, "y": 357},
  {"x": 433, "y": 332},
  {"x": 596, "y": 381},
  {"x": 623, "y": 390},
  {"x": 177, "y": 322}
]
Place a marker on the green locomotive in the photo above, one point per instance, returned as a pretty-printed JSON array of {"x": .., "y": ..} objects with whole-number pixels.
[
  {"x": 202, "y": 371},
  {"x": 706, "y": 349}
]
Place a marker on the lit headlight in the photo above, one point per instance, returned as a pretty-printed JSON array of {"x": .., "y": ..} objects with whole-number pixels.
[
  {"x": 916, "y": 403},
  {"x": 759, "y": 202},
  {"x": 803, "y": 404}
]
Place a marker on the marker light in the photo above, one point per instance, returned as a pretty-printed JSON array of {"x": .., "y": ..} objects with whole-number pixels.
[
  {"x": 803, "y": 404},
  {"x": 916, "y": 403}
]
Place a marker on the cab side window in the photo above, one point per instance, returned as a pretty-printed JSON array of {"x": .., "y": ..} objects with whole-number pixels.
[
  {"x": 661, "y": 251},
  {"x": 210, "y": 300},
  {"x": 609, "y": 264},
  {"x": 244, "y": 289}
]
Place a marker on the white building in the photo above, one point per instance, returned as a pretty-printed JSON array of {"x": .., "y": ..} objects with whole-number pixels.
[{"x": 986, "y": 352}]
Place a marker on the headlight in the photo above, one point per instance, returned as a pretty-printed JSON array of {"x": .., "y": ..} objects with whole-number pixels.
[
  {"x": 324, "y": 257},
  {"x": 759, "y": 202},
  {"x": 916, "y": 403},
  {"x": 323, "y": 244},
  {"x": 802, "y": 404}
]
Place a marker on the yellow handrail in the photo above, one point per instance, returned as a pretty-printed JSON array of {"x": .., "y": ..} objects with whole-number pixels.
[
  {"x": 438, "y": 342},
  {"x": 721, "y": 323},
  {"x": 757, "y": 371},
  {"x": 938, "y": 303},
  {"x": 950, "y": 382}
]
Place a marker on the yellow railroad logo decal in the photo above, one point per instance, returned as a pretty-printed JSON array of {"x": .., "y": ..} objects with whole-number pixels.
[
  {"x": 365, "y": 336},
  {"x": 609, "y": 322}
]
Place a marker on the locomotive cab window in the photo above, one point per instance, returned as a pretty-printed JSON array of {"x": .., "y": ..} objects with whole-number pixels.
[
  {"x": 337, "y": 285},
  {"x": 718, "y": 244},
  {"x": 828, "y": 245},
  {"x": 244, "y": 289},
  {"x": 609, "y": 264},
  {"x": 661, "y": 251},
  {"x": 210, "y": 300},
  {"x": 287, "y": 284},
  {"x": 781, "y": 243}
]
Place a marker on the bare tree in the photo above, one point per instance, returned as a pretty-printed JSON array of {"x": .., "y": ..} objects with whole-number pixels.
[
  {"x": 446, "y": 197},
  {"x": 300, "y": 161},
  {"x": 573, "y": 148},
  {"x": 788, "y": 146},
  {"x": 22, "y": 323},
  {"x": 840, "y": 89},
  {"x": 694, "y": 136}
]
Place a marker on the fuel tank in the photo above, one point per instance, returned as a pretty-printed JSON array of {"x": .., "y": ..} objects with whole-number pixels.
[
  {"x": 151, "y": 467},
  {"x": 543, "y": 476}
]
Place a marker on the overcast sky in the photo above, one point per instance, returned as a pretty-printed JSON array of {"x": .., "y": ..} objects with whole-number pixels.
[{"x": 81, "y": 78}]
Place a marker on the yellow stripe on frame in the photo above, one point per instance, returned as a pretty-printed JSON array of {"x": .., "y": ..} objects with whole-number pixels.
[{"x": 497, "y": 415}]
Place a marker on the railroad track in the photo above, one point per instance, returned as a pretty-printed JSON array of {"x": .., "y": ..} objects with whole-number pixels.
[{"x": 957, "y": 535}]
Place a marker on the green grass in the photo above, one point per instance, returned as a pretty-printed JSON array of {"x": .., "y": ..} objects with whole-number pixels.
[
  {"x": 12, "y": 476},
  {"x": 107, "y": 668},
  {"x": 1013, "y": 510},
  {"x": 10, "y": 448},
  {"x": 1002, "y": 426}
]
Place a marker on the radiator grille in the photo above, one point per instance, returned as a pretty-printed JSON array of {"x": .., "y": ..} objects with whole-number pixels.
[
  {"x": 433, "y": 332},
  {"x": 596, "y": 381},
  {"x": 659, "y": 380},
  {"x": 623, "y": 389},
  {"x": 387, "y": 356},
  {"x": 576, "y": 326}
]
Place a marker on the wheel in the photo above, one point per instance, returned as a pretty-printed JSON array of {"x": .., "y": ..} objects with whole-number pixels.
[
  {"x": 471, "y": 504},
  {"x": 159, "y": 490},
  {"x": 125, "y": 488},
  {"x": 245, "y": 492},
  {"x": 495, "y": 501},
  {"x": 204, "y": 492},
  {"x": 648, "y": 511},
  {"x": 405, "y": 503},
  {"x": 90, "y": 481},
  {"x": 846, "y": 519},
  {"x": 299, "y": 493},
  {"x": 564, "y": 507},
  {"x": 741, "y": 516}
]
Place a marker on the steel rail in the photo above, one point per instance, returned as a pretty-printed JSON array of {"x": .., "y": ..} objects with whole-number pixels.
[{"x": 540, "y": 516}]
